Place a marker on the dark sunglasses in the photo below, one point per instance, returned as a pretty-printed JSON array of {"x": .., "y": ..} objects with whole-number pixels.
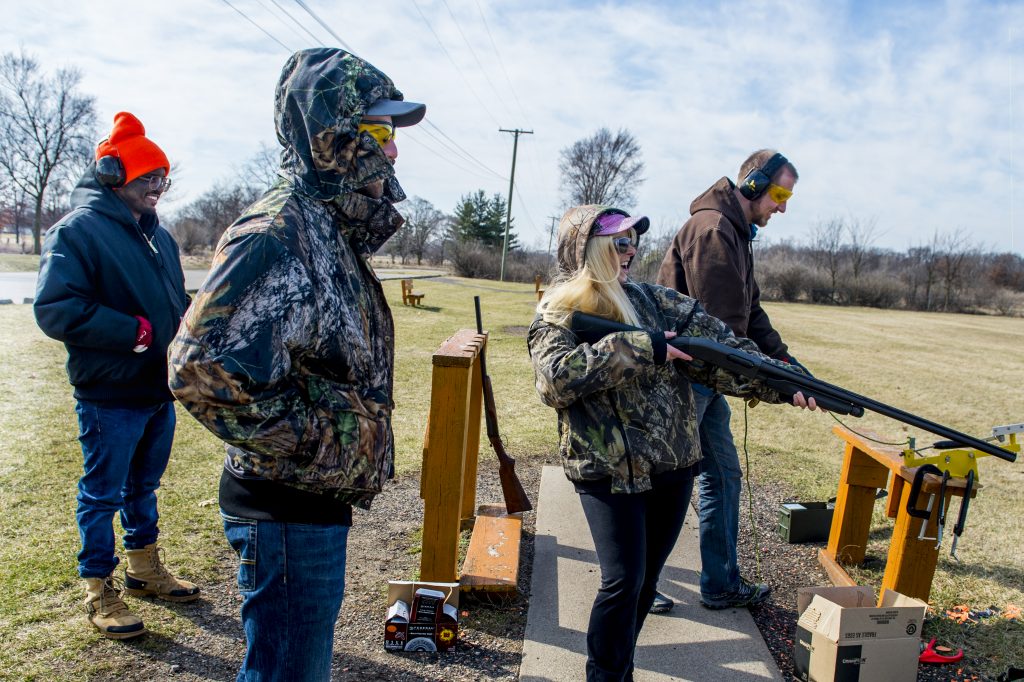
[{"x": 622, "y": 244}]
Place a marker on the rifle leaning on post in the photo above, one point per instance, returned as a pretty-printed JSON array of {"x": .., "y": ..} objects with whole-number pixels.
[
  {"x": 511, "y": 488},
  {"x": 590, "y": 329}
]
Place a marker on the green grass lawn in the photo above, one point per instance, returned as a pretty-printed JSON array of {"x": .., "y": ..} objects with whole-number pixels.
[
  {"x": 962, "y": 371},
  {"x": 17, "y": 262}
]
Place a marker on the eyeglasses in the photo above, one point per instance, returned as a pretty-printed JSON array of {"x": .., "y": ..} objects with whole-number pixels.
[
  {"x": 155, "y": 183},
  {"x": 382, "y": 131},
  {"x": 779, "y": 195},
  {"x": 623, "y": 244}
]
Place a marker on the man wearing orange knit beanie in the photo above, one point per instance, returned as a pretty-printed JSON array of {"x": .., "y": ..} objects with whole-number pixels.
[{"x": 112, "y": 289}]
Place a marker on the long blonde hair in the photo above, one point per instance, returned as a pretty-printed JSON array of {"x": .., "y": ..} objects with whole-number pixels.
[{"x": 593, "y": 288}]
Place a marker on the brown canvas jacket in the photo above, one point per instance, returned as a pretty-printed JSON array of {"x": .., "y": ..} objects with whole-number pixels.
[{"x": 711, "y": 259}]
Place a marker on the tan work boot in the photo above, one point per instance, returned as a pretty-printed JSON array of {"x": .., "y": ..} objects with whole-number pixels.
[
  {"x": 108, "y": 614},
  {"x": 145, "y": 576}
]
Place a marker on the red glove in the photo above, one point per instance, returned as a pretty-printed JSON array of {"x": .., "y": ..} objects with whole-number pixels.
[{"x": 144, "y": 336}]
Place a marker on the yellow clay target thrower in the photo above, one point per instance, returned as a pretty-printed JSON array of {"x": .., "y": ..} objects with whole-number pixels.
[{"x": 952, "y": 462}]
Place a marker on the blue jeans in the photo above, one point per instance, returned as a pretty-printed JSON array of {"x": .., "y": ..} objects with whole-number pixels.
[
  {"x": 125, "y": 452},
  {"x": 718, "y": 495},
  {"x": 292, "y": 579}
]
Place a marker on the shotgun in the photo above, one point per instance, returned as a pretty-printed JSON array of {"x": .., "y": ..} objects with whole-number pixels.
[
  {"x": 590, "y": 329},
  {"x": 515, "y": 496}
]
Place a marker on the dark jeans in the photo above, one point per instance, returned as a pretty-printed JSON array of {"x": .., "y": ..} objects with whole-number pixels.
[
  {"x": 633, "y": 536},
  {"x": 292, "y": 579},
  {"x": 124, "y": 454}
]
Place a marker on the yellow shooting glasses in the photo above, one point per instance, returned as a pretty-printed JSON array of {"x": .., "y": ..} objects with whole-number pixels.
[
  {"x": 382, "y": 131},
  {"x": 779, "y": 195}
]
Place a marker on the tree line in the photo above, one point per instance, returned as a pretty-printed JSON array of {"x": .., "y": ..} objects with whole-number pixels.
[{"x": 48, "y": 132}]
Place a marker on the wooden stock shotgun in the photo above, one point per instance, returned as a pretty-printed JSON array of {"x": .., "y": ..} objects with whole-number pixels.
[{"x": 515, "y": 496}]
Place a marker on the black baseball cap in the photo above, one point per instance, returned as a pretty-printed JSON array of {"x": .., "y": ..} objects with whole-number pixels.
[{"x": 402, "y": 113}]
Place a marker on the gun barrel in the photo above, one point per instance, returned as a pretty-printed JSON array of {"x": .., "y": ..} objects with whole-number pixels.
[{"x": 590, "y": 328}]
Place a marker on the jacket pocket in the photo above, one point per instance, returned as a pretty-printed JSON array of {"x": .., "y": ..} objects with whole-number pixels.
[{"x": 356, "y": 449}]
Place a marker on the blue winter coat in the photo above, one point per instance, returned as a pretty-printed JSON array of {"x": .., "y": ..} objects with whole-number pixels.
[{"x": 99, "y": 269}]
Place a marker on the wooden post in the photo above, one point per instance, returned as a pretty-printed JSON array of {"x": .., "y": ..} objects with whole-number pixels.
[
  {"x": 860, "y": 480},
  {"x": 911, "y": 563},
  {"x": 469, "y": 471},
  {"x": 442, "y": 484}
]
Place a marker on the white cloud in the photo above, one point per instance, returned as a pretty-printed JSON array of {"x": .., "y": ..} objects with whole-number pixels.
[{"x": 907, "y": 113}]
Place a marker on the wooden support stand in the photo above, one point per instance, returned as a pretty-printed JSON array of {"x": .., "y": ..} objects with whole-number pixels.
[
  {"x": 910, "y": 566},
  {"x": 448, "y": 480}
]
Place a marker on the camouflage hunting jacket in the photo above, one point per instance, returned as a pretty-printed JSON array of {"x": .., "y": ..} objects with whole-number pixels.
[
  {"x": 624, "y": 413},
  {"x": 287, "y": 351}
]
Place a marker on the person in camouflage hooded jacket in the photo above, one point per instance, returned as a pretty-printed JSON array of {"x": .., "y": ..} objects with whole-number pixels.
[
  {"x": 287, "y": 355},
  {"x": 627, "y": 428}
]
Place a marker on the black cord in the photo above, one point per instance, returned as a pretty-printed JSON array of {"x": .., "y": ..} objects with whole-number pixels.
[{"x": 873, "y": 440}]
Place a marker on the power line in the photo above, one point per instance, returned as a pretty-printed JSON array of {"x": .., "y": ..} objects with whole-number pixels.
[
  {"x": 466, "y": 153},
  {"x": 457, "y": 150},
  {"x": 469, "y": 85},
  {"x": 327, "y": 28},
  {"x": 476, "y": 58},
  {"x": 522, "y": 202},
  {"x": 501, "y": 62},
  {"x": 446, "y": 159},
  {"x": 265, "y": 31},
  {"x": 289, "y": 27},
  {"x": 296, "y": 21}
]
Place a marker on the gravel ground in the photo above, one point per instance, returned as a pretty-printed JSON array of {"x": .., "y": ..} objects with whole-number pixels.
[
  {"x": 789, "y": 567},
  {"x": 382, "y": 547}
]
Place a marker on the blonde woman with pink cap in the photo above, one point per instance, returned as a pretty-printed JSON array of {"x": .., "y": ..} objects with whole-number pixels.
[{"x": 627, "y": 430}]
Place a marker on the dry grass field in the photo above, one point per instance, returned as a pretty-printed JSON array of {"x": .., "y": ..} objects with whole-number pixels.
[{"x": 962, "y": 371}]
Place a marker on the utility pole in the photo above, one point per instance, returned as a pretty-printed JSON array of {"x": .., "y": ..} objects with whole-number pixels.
[
  {"x": 551, "y": 234},
  {"x": 511, "y": 186}
]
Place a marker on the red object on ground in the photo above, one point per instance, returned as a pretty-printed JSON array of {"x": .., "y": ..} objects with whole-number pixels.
[{"x": 930, "y": 655}]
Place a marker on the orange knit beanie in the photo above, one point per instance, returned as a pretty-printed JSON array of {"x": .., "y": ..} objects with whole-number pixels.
[{"x": 128, "y": 142}]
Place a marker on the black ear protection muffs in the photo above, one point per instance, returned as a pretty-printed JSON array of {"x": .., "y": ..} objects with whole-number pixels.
[
  {"x": 110, "y": 171},
  {"x": 757, "y": 180}
]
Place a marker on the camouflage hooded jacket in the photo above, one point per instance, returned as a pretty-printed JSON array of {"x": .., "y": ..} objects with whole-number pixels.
[
  {"x": 623, "y": 411},
  {"x": 287, "y": 351}
]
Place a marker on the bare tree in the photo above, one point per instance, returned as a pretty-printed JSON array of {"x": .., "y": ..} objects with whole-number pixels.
[
  {"x": 602, "y": 169},
  {"x": 199, "y": 225},
  {"x": 46, "y": 128},
  {"x": 862, "y": 236},
  {"x": 423, "y": 223},
  {"x": 953, "y": 251},
  {"x": 827, "y": 244},
  {"x": 260, "y": 171}
]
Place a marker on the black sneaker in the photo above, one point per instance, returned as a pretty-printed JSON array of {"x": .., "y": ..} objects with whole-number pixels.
[
  {"x": 662, "y": 604},
  {"x": 747, "y": 594}
]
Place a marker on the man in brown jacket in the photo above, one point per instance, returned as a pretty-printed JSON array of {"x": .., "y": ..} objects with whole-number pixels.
[{"x": 712, "y": 260}]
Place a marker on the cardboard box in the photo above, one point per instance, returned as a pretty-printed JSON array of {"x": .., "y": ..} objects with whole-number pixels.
[
  {"x": 843, "y": 636},
  {"x": 421, "y": 616},
  {"x": 805, "y": 521}
]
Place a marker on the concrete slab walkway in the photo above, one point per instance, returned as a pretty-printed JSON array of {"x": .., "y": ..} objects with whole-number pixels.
[{"x": 689, "y": 643}]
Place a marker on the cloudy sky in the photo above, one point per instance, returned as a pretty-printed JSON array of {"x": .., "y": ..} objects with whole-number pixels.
[{"x": 905, "y": 114}]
